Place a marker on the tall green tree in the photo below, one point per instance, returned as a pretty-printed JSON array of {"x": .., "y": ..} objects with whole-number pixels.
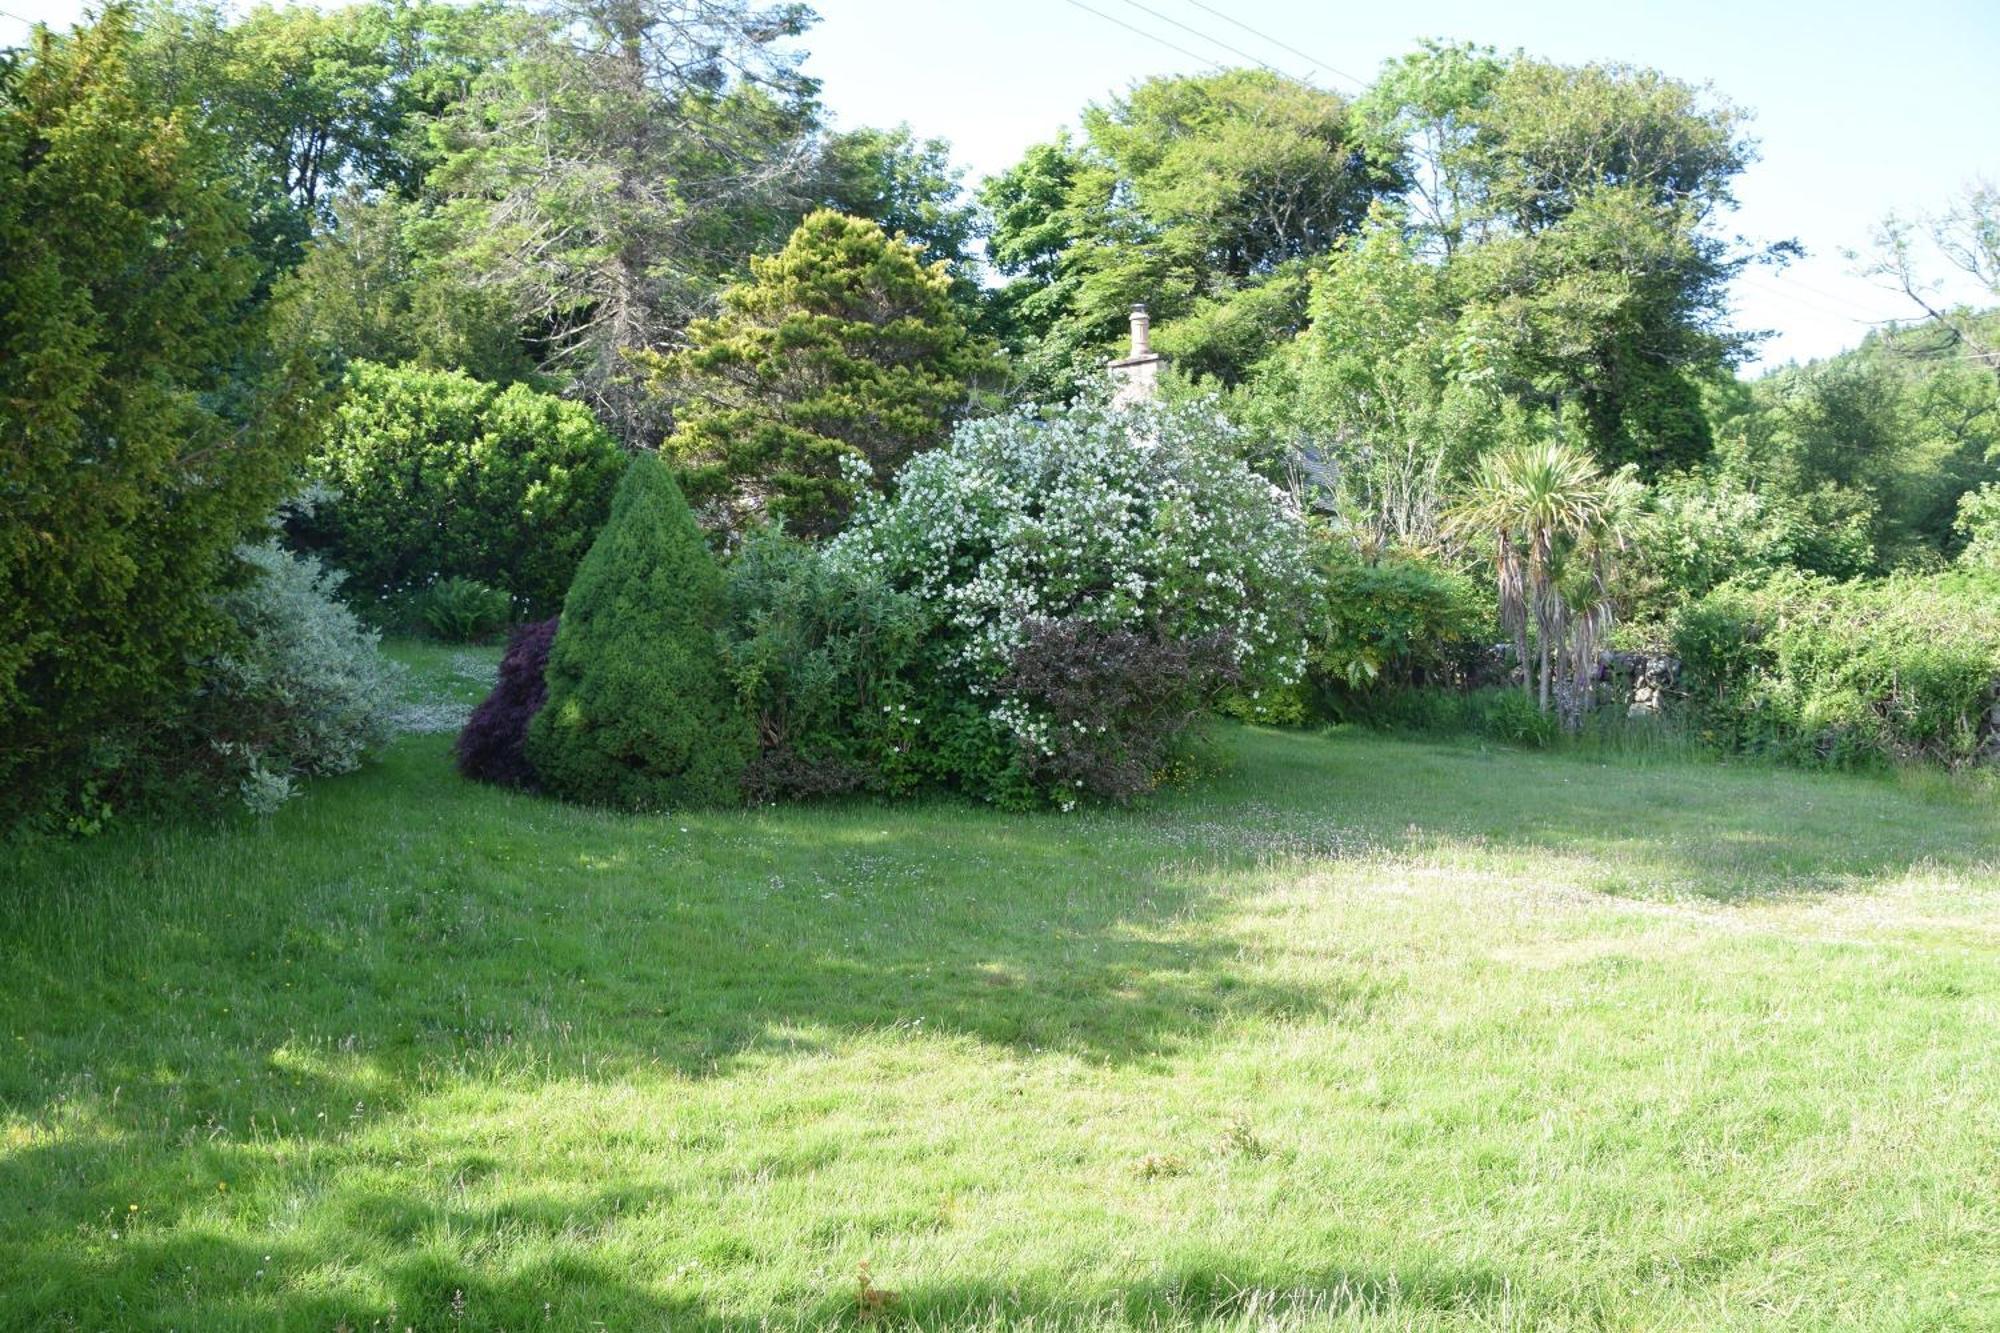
[
  {"x": 909, "y": 186},
  {"x": 1426, "y": 108},
  {"x": 374, "y": 285},
  {"x": 146, "y": 427},
  {"x": 1184, "y": 193},
  {"x": 912, "y": 189},
  {"x": 610, "y": 174},
  {"x": 313, "y": 101},
  {"x": 1596, "y": 192},
  {"x": 843, "y": 347},
  {"x": 1381, "y": 406}
]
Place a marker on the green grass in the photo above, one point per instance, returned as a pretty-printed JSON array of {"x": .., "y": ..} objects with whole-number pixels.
[{"x": 1366, "y": 1033}]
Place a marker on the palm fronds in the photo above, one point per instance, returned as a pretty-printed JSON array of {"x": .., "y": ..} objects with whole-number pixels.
[{"x": 1556, "y": 521}]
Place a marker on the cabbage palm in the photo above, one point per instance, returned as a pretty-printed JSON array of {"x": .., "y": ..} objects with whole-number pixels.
[{"x": 1556, "y": 520}]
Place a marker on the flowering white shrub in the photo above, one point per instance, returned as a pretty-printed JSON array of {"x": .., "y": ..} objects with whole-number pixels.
[
  {"x": 1142, "y": 519},
  {"x": 1081, "y": 523}
]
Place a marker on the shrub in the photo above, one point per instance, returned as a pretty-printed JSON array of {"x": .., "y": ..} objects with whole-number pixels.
[
  {"x": 1705, "y": 529},
  {"x": 1142, "y": 521},
  {"x": 493, "y": 745},
  {"x": 1821, "y": 672},
  {"x": 433, "y": 474},
  {"x": 1979, "y": 526},
  {"x": 1379, "y": 628},
  {"x": 1098, "y": 711},
  {"x": 824, "y": 658},
  {"x": 303, "y": 689},
  {"x": 146, "y": 427},
  {"x": 1398, "y": 623},
  {"x": 460, "y": 610},
  {"x": 640, "y": 714}
]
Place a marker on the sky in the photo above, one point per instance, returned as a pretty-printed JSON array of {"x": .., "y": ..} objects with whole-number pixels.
[{"x": 1860, "y": 108}]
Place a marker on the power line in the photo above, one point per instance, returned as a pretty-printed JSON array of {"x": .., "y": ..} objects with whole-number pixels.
[
  {"x": 1151, "y": 37},
  {"x": 1233, "y": 50},
  {"x": 1282, "y": 46},
  {"x": 1809, "y": 304},
  {"x": 1821, "y": 292}
]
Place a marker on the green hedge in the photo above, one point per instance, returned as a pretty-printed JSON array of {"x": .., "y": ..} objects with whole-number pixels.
[
  {"x": 1822, "y": 672},
  {"x": 432, "y": 474},
  {"x": 1379, "y": 630}
]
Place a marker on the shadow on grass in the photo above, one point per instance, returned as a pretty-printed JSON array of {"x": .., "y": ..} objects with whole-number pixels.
[
  {"x": 148, "y": 1282},
  {"x": 149, "y": 1278},
  {"x": 1726, "y": 832},
  {"x": 172, "y": 1001},
  {"x": 181, "y": 1004}
]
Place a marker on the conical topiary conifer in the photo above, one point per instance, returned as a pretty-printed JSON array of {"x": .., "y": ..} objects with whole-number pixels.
[{"x": 639, "y": 712}]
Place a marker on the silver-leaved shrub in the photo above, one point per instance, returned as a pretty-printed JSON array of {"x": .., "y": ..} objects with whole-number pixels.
[{"x": 301, "y": 690}]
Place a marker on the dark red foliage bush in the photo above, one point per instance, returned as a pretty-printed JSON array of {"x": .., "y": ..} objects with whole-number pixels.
[
  {"x": 1115, "y": 702},
  {"x": 490, "y": 747}
]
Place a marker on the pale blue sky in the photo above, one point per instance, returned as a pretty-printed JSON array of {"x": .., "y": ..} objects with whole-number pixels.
[{"x": 1860, "y": 107}]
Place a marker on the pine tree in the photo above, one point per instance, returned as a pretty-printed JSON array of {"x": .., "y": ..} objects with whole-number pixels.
[
  {"x": 608, "y": 174},
  {"x": 640, "y": 714},
  {"x": 843, "y": 345}
]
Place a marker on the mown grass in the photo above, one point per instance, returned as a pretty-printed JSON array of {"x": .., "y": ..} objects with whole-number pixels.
[{"x": 1367, "y": 1033}]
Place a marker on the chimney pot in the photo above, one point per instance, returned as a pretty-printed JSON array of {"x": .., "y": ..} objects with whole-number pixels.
[{"x": 1142, "y": 326}]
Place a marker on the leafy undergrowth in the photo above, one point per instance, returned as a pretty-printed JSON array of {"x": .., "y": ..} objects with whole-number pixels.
[{"x": 1368, "y": 1033}]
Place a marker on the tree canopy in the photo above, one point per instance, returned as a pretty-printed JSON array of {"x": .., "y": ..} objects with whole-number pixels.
[
  {"x": 843, "y": 347},
  {"x": 1185, "y": 193},
  {"x": 149, "y": 423}
]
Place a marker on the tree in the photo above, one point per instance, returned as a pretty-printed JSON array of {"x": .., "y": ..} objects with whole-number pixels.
[
  {"x": 1427, "y": 107},
  {"x": 843, "y": 346},
  {"x": 1245, "y": 168},
  {"x": 1595, "y": 192},
  {"x": 1385, "y": 400},
  {"x": 907, "y": 185},
  {"x": 1967, "y": 235},
  {"x": 1184, "y": 193},
  {"x": 608, "y": 175},
  {"x": 1887, "y": 435},
  {"x": 1556, "y": 521},
  {"x": 148, "y": 427},
  {"x": 314, "y": 101},
  {"x": 640, "y": 712},
  {"x": 1979, "y": 524},
  {"x": 371, "y": 287}
]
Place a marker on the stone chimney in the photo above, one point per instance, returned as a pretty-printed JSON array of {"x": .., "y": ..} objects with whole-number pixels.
[{"x": 1135, "y": 377}]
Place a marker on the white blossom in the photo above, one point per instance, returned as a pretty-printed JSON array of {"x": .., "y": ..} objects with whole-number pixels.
[{"x": 1143, "y": 518}]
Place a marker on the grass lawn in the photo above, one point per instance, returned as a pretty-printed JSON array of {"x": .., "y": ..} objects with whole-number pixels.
[{"x": 1366, "y": 1033}]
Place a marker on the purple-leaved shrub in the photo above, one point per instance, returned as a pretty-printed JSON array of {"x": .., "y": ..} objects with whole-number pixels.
[
  {"x": 490, "y": 749},
  {"x": 1107, "y": 706}
]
